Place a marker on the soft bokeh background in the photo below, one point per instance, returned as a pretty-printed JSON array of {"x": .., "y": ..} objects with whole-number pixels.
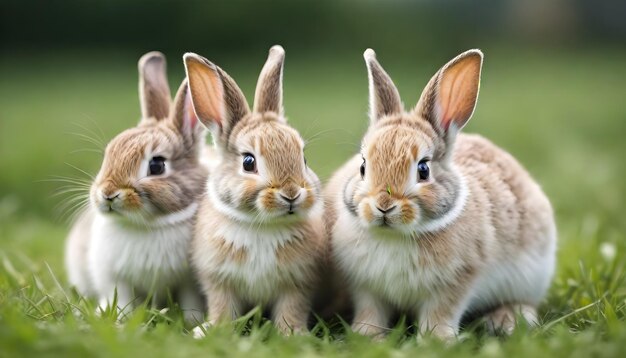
[{"x": 553, "y": 94}]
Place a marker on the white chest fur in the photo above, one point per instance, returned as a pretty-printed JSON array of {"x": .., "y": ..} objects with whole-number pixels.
[
  {"x": 395, "y": 270},
  {"x": 389, "y": 267},
  {"x": 146, "y": 259},
  {"x": 258, "y": 274}
]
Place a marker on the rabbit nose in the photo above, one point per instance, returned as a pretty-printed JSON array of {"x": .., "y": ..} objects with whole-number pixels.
[
  {"x": 290, "y": 192},
  {"x": 110, "y": 196},
  {"x": 385, "y": 211},
  {"x": 290, "y": 199},
  {"x": 384, "y": 203}
]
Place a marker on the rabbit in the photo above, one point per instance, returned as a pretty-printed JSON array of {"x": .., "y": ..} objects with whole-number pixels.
[
  {"x": 434, "y": 223},
  {"x": 259, "y": 236},
  {"x": 133, "y": 240}
]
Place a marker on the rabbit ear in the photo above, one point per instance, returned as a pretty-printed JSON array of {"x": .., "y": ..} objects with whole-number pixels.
[
  {"x": 217, "y": 100},
  {"x": 449, "y": 99},
  {"x": 384, "y": 96},
  {"x": 184, "y": 119},
  {"x": 154, "y": 90},
  {"x": 268, "y": 96}
]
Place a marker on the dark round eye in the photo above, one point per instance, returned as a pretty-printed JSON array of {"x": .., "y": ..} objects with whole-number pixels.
[
  {"x": 363, "y": 169},
  {"x": 156, "y": 166},
  {"x": 249, "y": 163},
  {"x": 423, "y": 170}
]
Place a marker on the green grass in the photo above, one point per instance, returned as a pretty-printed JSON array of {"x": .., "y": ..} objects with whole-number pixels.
[{"x": 560, "y": 113}]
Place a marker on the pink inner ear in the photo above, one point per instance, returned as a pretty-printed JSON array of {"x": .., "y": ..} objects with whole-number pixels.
[
  {"x": 445, "y": 116},
  {"x": 458, "y": 90},
  {"x": 190, "y": 114},
  {"x": 207, "y": 93}
]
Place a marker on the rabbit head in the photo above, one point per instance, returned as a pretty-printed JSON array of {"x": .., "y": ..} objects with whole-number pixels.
[
  {"x": 262, "y": 174},
  {"x": 153, "y": 169},
  {"x": 407, "y": 181}
]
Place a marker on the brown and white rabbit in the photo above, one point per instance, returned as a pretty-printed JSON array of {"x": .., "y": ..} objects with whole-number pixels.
[
  {"x": 435, "y": 223},
  {"x": 259, "y": 235},
  {"x": 134, "y": 238}
]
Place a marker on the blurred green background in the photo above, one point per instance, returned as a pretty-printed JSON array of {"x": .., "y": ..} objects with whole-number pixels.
[{"x": 553, "y": 91}]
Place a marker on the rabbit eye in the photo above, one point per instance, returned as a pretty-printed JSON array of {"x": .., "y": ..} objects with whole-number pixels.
[
  {"x": 249, "y": 163},
  {"x": 423, "y": 170},
  {"x": 156, "y": 166},
  {"x": 363, "y": 169}
]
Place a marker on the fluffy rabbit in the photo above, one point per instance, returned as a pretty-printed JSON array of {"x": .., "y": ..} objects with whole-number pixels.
[
  {"x": 259, "y": 236},
  {"x": 134, "y": 238},
  {"x": 435, "y": 223}
]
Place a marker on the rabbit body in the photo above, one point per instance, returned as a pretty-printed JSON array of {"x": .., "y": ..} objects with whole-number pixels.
[
  {"x": 438, "y": 224},
  {"x": 257, "y": 264},
  {"x": 259, "y": 237},
  {"x": 137, "y": 261},
  {"x": 132, "y": 242},
  {"x": 498, "y": 257}
]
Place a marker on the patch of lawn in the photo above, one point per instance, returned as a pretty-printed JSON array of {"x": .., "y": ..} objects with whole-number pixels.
[{"x": 560, "y": 113}]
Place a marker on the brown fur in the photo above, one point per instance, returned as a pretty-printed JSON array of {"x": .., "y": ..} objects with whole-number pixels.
[
  {"x": 154, "y": 89},
  {"x": 302, "y": 254},
  {"x": 246, "y": 203},
  {"x": 166, "y": 129},
  {"x": 269, "y": 91},
  {"x": 222, "y": 305},
  {"x": 173, "y": 130},
  {"x": 506, "y": 212},
  {"x": 385, "y": 99},
  {"x": 504, "y": 318},
  {"x": 291, "y": 311},
  {"x": 125, "y": 153},
  {"x": 228, "y": 252}
]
